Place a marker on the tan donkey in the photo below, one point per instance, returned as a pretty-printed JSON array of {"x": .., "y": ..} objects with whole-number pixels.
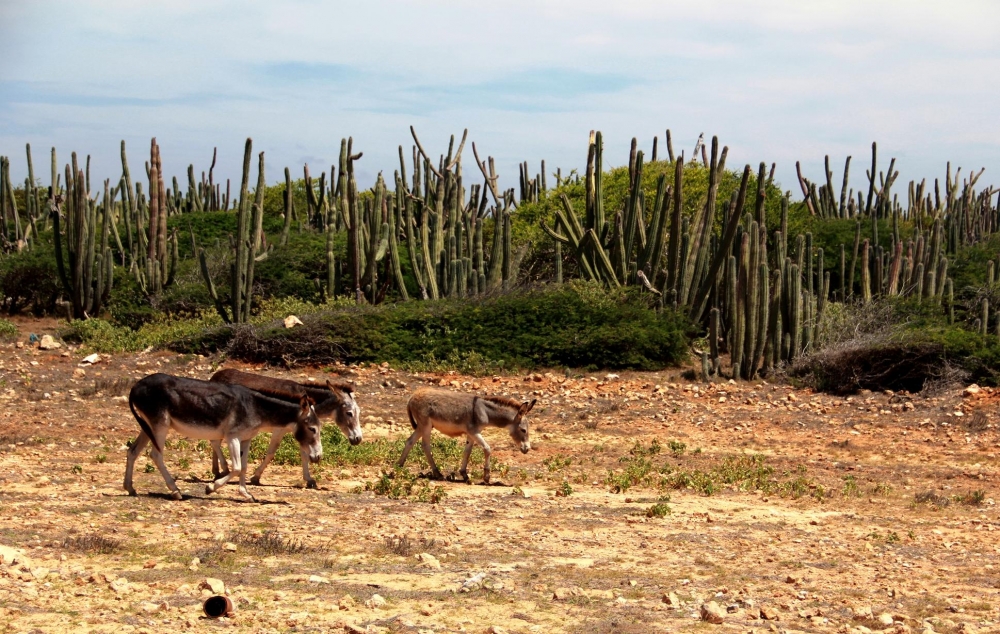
[{"x": 454, "y": 414}]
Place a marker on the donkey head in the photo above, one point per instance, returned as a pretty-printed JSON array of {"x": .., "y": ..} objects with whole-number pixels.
[
  {"x": 348, "y": 414},
  {"x": 307, "y": 430},
  {"x": 519, "y": 426}
]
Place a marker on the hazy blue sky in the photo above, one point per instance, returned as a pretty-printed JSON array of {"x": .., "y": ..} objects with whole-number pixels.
[{"x": 776, "y": 80}]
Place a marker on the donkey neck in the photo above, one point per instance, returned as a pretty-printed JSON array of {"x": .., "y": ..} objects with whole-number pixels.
[
  {"x": 276, "y": 412},
  {"x": 499, "y": 415}
]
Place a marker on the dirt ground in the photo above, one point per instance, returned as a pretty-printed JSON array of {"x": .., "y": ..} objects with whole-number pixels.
[{"x": 880, "y": 515}]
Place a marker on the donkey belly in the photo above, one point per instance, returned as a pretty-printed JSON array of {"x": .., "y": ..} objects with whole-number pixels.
[
  {"x": 449, "y": 428},
  {"x": 197, "y": 430}
]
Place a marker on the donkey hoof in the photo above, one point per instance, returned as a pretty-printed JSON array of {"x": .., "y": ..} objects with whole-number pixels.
[
  {"x": 209, "y": 489},
  {"x": 255, "y": 481},
  {"x": 311, "y": 484},
  {"x": 131, "y": 492},
  {"x": 464, "y": 476},
  {"x": 177, "y": 495},
  {"x": 436, "y": 475}
]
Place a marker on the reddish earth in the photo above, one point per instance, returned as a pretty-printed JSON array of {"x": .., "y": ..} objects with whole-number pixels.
[{"x": 879, "y": 514}]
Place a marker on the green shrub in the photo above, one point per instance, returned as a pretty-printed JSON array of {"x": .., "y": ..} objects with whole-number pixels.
[
  {"x": 29, "y": 279},
  {"x": 576, "y": 325},
  {"x": 8, "y": 331}
]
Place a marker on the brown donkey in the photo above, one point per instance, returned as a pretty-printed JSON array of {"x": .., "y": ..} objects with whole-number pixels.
[
  {"x": 454, "y": 414},
  {"x": 334, "y": 399}
]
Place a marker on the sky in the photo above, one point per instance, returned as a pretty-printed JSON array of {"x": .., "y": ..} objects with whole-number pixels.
[{"x": 776, "y": 80}]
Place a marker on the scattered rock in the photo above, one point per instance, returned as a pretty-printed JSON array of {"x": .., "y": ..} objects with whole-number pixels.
[
  {"x": 149, "y": 564},
  {"x": 376, "y": 601},
  {"x": 91, "y": 359},
  {"x": 768, "y": 613},
  {"x": 291, "y": 321},
  {"x": 712, "y": 612},
  {"x": 972, "y": 390},
  {"x": 496, "y": 629},
  {"x": 215, "y": 585},
  {"x": 885, "y": 619},
  {"x": 671, "y": 600},
  {"x": 48, "y": 343},
  {"x": 10, "y": 556},
  {"x": 318, "y": 579},
  {"x": 79, "y": 373},
  {"x": 230, "y": 546},
  {"x": 346, "y": 602},
  {"x": 429, "y": 561}
]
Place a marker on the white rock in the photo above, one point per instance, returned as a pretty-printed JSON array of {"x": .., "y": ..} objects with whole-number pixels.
[
  {"x": 430, "y": 561},
  {"x": 375, "y": 602},
  {"x": 291, "y": 321},
  {"x": 48, "y": 343},
  {"x": 215, "y": 585},
  {"x": 91, "y": 359}
]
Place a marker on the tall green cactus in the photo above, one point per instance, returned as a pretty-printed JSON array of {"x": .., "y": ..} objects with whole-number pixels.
[{"x": 87, "y": 276}]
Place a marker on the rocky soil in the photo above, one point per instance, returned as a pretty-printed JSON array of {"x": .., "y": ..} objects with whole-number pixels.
[{"x": 871, "y": 512}]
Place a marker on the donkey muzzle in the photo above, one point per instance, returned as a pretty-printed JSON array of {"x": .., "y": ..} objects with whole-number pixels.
[
  {"x": 354, "y": 440},
  {"x": 525, "y": 447}
]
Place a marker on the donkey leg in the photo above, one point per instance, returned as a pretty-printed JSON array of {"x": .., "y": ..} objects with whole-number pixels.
[
  {"x": 157, "y": 456},
  {"x": 486, "y": 456},
  {"x": 464, "y": 469},
  {"x": 304, "y": 457},
  {"x": 239, "y": 465},
  {"x": 134, "y": 452},
  {"x": 268, "y": 457},
  {"x": 219, "y": 461},
  {"x": 409, "y": 445},
  {"x": 221, "y": 481},
  {"x": 425, "y": 442}
]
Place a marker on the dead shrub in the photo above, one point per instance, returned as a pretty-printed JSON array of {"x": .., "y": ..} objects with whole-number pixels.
[
  {"x": 267, "y": 543},
  {"x": 92, "y": 543}
]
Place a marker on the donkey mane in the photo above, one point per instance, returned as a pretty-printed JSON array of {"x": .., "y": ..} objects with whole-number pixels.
[{"x": 503, "y": 400}]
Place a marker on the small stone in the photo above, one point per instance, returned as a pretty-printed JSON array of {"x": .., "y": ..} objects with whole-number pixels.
[
  {"x": 768, "y": 613},
  {"x": 291, "y": 321},
  {"x": 671, "y": 600},
  {"x": 149, "y": 564},
  {"x": 429, "y": 561},
  {"x": 151, "y": 608},
  {"x": 712, "y": 612},
  {"x": 427, "y": 609},
  {"x": 39, "y": 573},
  {"x": 561, "y": 594},
  {"x": 10, "y": 556},
  {"x": 972, "y": 390},
  {"x": 496, "y": 629},
  {"x": 79, "y": 373},
  {"x": 346, "y": 602},
  {"x": 376, "y": 601},
  {"x": 230, "y": 546},
  {"x": 215, "y": 585},
  {"x": 48, "y": 343},
  {"x": 91, "y": 359},
  {"x": 318, "y": 579},
  {"x": 862, "y": 612},
  {"x": 885, "y": 619}
]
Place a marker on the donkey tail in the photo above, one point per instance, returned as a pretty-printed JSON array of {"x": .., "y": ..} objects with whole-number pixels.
[
  {"x": 144, "y": 425},
  {"x": 409, "y": 413}
]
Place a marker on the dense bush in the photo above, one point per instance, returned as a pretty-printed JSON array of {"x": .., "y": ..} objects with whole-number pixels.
[
  {"x": 578, "y": 325},
  {"x": 30, "y": 280},
  {"x": 896, "y": 344}
]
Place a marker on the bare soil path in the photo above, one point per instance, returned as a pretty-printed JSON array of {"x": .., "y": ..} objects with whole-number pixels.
[{"x": 877, "y": 513}]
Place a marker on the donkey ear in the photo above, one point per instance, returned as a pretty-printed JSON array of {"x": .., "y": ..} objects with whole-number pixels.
[
  {"x": 305, "y": 402},
  {"x": 526, "y": 406}
]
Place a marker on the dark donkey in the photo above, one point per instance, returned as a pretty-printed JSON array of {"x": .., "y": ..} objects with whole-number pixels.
[
  {"x": 213, "y": 411},
  {"x": 334, "y": 399},
  {"x": 454, "y": 414}
]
